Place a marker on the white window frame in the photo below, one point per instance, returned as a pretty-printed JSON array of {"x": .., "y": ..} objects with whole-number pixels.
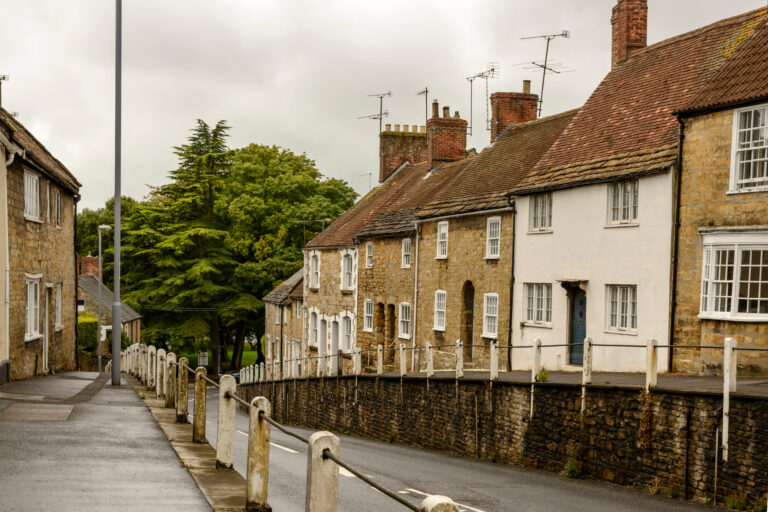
[
  {"x": 405, "y": 253},
  {"x": 491, "y": 237},
  {"x": 31, "y": 196},
  {"x": 32, "y": 309},
  {"x": 57, "y": 207},
  {"x": 314, "y": 270},
  {"x": 734, "y": 180},
  {"x": 623, "y": 197},
  {"x": 369, "y": 255},
  {"x": 368, "y": 315},
  {"x": 347, "y": 279},
  {"x": 314, "y": 324},
  {"x": 297, "y": 304},
  {"x": 277, "y": 314},
  {"x": 441, "y": 240},
  {"x": 621, "y": 308},
  {"x": 347, "y": 340},
  {"x": 490, "y": 315},
  {"x": 537, "y": 304},
  {"x": 58, "y": 306},
  {"x": 540, "y": 213},
  {"x": 441, "y": 303},
  {"x": 404, "y": 327},
  {"x": 286, "y": 314},
  {"x": 712, "y": 289}
]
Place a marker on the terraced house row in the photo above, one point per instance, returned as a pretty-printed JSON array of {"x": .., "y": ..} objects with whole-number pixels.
[{"x": 641, "y": 215}]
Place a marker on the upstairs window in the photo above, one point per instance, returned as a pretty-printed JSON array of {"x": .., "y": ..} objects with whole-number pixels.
[
  {"x": 277, "y": 314},
  {"x": 622, "y": 307},
  {"x": 622, "y": 202},
  {"x": 440, "y": 301},
  {"x": 368, "y": 316},
  {"x": 541, "y": 212},
  {"x": 314, "y": 271},
  {"x": 297, "y": 305},
  {"x": 442, "y": 240},
  {"x": 347, "y": 274},
  {"x": 313, "y": 329},
  {"x": 57, "y": 207},
  {"x": 492, "y": 238},
  {"x": 31, "y": 196},
  {"x": 538, "y": 303},
  {"x": 750, "y": 149},
  {"x": 33, "y": 308},
  {"x": 490, "y": 315},
  {"x": 369, "y": 255},
  {"x": 406, "y": 253},
  {"x": 405, "y": 320}
]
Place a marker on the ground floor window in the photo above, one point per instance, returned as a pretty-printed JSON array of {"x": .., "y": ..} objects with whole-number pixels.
[
  {"x": 622, "y": 307},
  {"x": 33, "y": 307},
  {"x": 490, "y": 315},
  {"x": 405, "y": 320},
  {"x": 538, "y": 303},
  {"x": 368, "y": 316}
]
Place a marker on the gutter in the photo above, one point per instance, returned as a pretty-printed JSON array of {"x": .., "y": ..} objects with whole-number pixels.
[
  {"x": 13, "y": 149},
  {"x": 415, "y": 299},
  {"x": 675, "y": 241},
  {"x": 511, "y": 281},
  {"x": 77, "y": 325}
]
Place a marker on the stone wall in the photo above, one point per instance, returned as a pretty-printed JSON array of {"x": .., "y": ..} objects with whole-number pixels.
[
  {"x": 704, "y": 203},
  {"x": 664, "y": 440},
  {"x": 41, "y": 247}
]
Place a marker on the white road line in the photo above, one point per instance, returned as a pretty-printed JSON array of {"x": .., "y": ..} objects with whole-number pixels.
[
  {"x": 345, "y": 472},
  {"x": 241, "y": 432},
  {"x": 285, "y": 448},
  {"x": 416, "y": 491}
]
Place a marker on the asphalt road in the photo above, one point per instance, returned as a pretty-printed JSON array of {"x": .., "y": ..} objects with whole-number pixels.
[{"x": 476, "y": 486}]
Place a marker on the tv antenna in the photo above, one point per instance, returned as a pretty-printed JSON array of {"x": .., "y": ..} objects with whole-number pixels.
[
  {"x": 369, "y": 174},
  {"x": 310, "y": 221},
  {"x": 545, "y": 67},
  {"x": 382, "y": 113},
  {"x": 425, "y": 92},
  {"x": 3, "y": 78},
  {"x": 492, "y": 70}
]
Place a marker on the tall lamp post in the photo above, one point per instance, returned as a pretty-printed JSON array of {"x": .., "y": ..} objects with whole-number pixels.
[
  {"x": 103, "y": 227},
  {"x": 118, "y": 118}
]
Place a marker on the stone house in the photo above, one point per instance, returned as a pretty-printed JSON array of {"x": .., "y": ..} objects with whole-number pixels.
[
  {"x": 88, "y": 291},
  {"x": 284, "y": 338},
  {"x": 721, "y": 274},
  {"x": 37, "y": 230}
]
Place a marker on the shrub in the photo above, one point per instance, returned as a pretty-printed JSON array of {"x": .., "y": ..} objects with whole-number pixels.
[
  {"x": 87, "y": 328},
  {"x": 736, "y": 502}
]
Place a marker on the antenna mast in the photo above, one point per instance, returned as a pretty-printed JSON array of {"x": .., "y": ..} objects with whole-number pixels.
[
  {"x": 3, "y": 78},
  {"x": 425, "y": 92},
  {"x": 382, "y": 113},
  {"x": 544, "y": 67},
  {"x": 492, "y": 70}
]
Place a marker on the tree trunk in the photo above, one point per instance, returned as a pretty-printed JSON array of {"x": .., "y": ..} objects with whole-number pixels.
[
  {"x": 225, "y": 342},
  {"x": 237, "y": 351},
  {"x": 215, "y": 344}
]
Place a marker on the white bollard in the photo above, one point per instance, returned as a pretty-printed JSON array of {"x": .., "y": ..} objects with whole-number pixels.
[
  {"x": 182, "y": 404},
  {"x": 459, "y": 359},
  {"x": 225, "y": 432},
  {"x": 276, "y": 369},
  {"x": 651, "y": 365},
  {"x": 295, "y": 367},
  {"x": 160, "y": 388},
  {"x": 729, "y": 384},
  {"x": 357, "y": 359},
  {"x": 430, "y": 361},
  {"x": 402, "y": 360},
  {"x": 198, "y": 420},
  {"x": 257, "y": 475},
  {"x": 170, "y": 381},
  {"x": 379, "y": 360},
  {"x": 536, "y": 366},
  {"x": 437, "y": 503},
  {"x": 268, "y": 370},
  {"x": 262, "y": 372},
  {"x": 586, "y": 372},
  {"x": 152, "y": 367},
  {"x": 322, "y": 474},
  {"x": 494, "y": 363}
]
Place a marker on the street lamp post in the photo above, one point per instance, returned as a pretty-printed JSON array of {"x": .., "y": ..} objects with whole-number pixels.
[
  {"x": 101, "y": 228},
  {"x": 118, "y": 119}
]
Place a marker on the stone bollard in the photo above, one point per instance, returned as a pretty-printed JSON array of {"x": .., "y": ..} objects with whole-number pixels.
[
  {"x": 403, "y": 368},
  {"x": 379, "y": 360},
  {"x": 357, "y": 361},
  {"x": 494, "y": 363},
  {"x": 152, "y": 367},
  {"x": 430, "y": 361},
  {"x": 322, "y": 474},
  {"x": 198, "y": 420},
  {"x": 144, "y": 364},
  {"x": 437, "y": 503},
  {"x": 459, "y": 359},
  {"x": 586, "y": 372},
  {"x": 651, "y": 365},
  {"x": 257, "y": 476},
  {"x": 729, "y": 385},
  {"x": 182, "y": 403},
  {"x": 159, "y": 392},
  {"x": 536, "y": 366},
  {"x": 225, "y": 431},
  {"x": 170, "y": 381}
]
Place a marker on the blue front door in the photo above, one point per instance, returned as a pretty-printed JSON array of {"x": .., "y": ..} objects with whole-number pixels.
[{"x": 578, "y": 325}]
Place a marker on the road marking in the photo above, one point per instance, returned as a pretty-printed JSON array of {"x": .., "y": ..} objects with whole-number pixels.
[
  {"x": 241, "y": 432},
  {"x": 416, "y": 491},
  {"x": 346, "y": 473},
  {"x": 285, "y": 448}
]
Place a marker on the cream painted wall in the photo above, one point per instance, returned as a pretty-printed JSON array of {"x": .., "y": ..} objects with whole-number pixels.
[{"x": 581, "y": 247}]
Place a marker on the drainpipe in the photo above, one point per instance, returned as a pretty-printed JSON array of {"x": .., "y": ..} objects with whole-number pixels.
[
  {"x": 511, "y": 281},
  {"x": 13, "y": 150},
  {"x": 415, "y": 298},
  {"x": 77, "y": 326},
  {"x": 675, "y": 241}
]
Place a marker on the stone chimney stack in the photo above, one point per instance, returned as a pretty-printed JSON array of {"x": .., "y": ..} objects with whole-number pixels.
[
  {"x": 629, "y": 22},
  {"x": 446, "y": 136},
  {"x": 512, "y": 107},
  {"x": 400, "y": 145}
]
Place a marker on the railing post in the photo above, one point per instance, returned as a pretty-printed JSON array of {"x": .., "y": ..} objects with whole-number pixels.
[
  {"x": 198, "y": 420},
  {"x": 379, "y": 360},
  {"x": 403, "y": 367},
  {"x": 339, "y": 362},
  {"x": 160, "y": 391},
  {"x": 225, "y": 431},
  {"x": 322, "y": 474},
  {"x": 729, "y": 384},
  {"x": 257, "y": 476},
  {"x": 262, "y": 372},
  {"x": 358, "y": 361},
  {"x": 307, "y": 366},
  {"x": 494, "y": 363},
  {"x": 437, "y": 503},
  {"x": 295, "y": 367},
  {"x": 182, "y": 403},
  {"x": 430, "y": 361},
  {"x": 586, "y": 371},
  {"x": 152, "y": 367},
  {"x": 144, "y": 365},
  {"x": 459, "y": 359},
  {"x": 536, "y": 366},
  {"x": 651, "y": 365},
  {"x": 268, "y": 371},
  {"x": 170, "y": 382}
]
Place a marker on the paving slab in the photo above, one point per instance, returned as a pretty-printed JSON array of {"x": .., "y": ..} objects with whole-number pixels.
[{"x": 36, "y": 412}]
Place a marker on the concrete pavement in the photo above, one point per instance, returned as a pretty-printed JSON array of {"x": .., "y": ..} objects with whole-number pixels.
[{"x": 75, "y": 443}]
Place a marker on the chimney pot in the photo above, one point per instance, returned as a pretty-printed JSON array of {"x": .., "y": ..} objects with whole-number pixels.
[
  {"x": 422, "y": 129},
  {"x": 435, "y": 108},
  {"x": 446, "y": 112},
  {"x": 415, "y": 128},
  {"x": 388, "y": 127},
  {"x": 526, "y": 87},
  {"x": 397, "y": 127},
  {"x": 405, "y": 128},
  {"x": 456, "y": 115}
]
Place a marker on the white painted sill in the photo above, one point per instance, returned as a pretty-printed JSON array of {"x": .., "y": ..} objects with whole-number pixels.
[
  {"x": 59, "y": 327},
  {"x": 404, "y": 336},
  {"x": 746, "y": 191},
  {"x": 33, "y": 337},
  {"x": 438, "y": 329},
  {"x": 405, "y": 266},
  {"x": 33, "y": 219},
  {"x": 623, "y": 333},
  {"x": 540, "y": 231},
  {"x": 625, "y": 225},
  {"x": 491, "y": 258},
  {"x": 489, "y": 336},
  {"x": 541, "y": 325},
  {"x": 742, "y": 319},
  {"x": 441, "y": 257},
  {"x": 367, "y": 330}
]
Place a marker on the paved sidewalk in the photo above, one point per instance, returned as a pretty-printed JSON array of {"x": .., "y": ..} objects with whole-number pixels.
[{"x": 75, "y": 443}]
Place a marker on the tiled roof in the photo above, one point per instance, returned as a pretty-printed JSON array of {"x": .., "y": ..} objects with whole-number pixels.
[
  {"x": 298, "y": 290},
  {"x": 393, "y": 223},
  {"x": 412, "y": 186},
  {"x": 36, "y": 152},
  {"x": 284, "y": 289},
  {"x": 631, "y": 113},
  {"x": 90, "y": 285},
  {"x": 466, "y": 204}
]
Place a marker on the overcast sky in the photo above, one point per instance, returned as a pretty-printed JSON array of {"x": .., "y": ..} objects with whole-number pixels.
[{"x": 291, "y": 73}]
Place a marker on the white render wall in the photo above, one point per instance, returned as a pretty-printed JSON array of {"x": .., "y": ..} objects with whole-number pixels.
[{"x": 582, "y": 248}]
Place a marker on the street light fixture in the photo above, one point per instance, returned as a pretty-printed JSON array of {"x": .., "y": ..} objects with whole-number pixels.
[{"x": 101, "y": 228}]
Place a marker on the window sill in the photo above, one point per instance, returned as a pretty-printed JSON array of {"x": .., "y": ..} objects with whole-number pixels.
[
  {"x": 405, "y": 267},
  {"x": 404, "y": 336},
  {"x": 625, "y": 225},
  {"x": 347, "y": 291},
  {"x": 746, "y": 191},
  {"x": 441, "y": 257},
  {"x": 744, "y": 319},
  {"x": 438, "y": 329},
  {"x": 367, "y": 330},
  {"x": 314, "y": 289},
  {"x": 38, "y": 220},
  {"x": 540, "y": 325},
  {"x": 540, "y": 232},
  {"x": 368, "y": 267},
  {"x": 58, "y": 327},
  {"x": 489, "y": 336},
  {"x": 491, "y": 258},
  {"x": 32, "y": 337},
  {"x": 623, "y": 333}
]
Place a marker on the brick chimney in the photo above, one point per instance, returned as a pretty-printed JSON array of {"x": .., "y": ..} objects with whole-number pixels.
[
  {"x": 400, "y": 145},
  {"x": 512, "y": 107},
  {"x": 629, "y": 22},
  {"x": 446, "y": 136},
  {"x": 89, "y": 265}
]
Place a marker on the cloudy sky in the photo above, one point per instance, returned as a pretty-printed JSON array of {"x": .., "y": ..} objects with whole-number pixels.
[{"x": 291, "y": 73}]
